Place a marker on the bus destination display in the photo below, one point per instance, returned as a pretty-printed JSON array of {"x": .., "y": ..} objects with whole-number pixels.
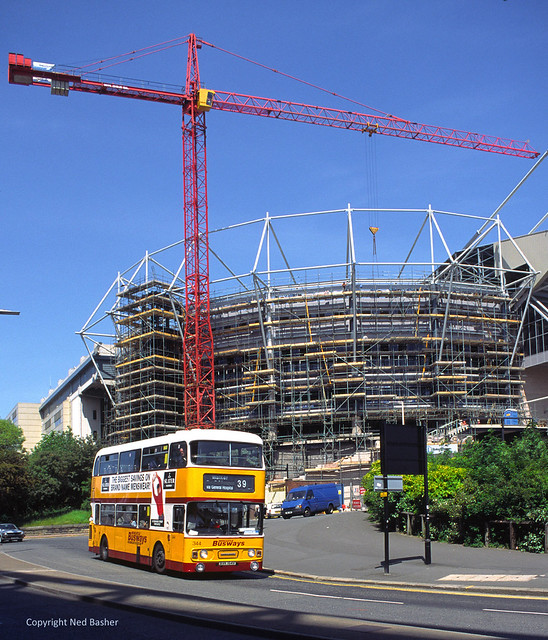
[{"x": 225, "y": 482}]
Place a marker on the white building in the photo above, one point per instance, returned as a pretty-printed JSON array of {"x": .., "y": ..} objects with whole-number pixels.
[
  {"x": 81, "y": 401},
  {"x": 26, "y": 415}
]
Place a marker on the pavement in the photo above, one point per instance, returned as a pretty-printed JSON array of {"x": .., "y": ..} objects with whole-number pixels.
[{"x": 359, "y": 553}]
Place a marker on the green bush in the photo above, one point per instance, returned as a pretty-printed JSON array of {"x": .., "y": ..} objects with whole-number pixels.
[
  {"x": 532, "y": 542},
  {"x": 444, "y": 482},
  {"x": 489, "y": 480}
]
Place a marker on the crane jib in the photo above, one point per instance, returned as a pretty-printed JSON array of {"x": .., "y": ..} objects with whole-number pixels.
[{"x": 23, "y": 71}]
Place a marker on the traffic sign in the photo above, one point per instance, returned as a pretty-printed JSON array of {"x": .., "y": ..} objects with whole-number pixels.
[{"x": 388, "y": 483}]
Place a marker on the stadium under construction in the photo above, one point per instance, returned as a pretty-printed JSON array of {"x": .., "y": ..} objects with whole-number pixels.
[{"x": 314, "y": 357}]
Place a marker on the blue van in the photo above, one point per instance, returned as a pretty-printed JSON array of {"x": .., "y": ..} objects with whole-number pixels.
[{"x": 311, "y": 499}]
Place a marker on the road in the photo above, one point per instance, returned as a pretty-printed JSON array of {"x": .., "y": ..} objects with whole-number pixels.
[
  {"x": 333, "y": 608},
  {"x": 28, "y": 614}
]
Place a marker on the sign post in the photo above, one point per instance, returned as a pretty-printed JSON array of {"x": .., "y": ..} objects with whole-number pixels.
[
  {"x": 385, "y": 484},
  {"x": 427, "y": 542},
  {"x": 403, "y": 450},
  {"x": 386, "y": 533}
]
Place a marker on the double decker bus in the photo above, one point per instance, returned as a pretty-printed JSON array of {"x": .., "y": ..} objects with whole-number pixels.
[{"x": 190, "y": 501}]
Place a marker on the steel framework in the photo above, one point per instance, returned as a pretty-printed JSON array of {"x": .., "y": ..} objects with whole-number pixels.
[{"x": 314, "y": 356}]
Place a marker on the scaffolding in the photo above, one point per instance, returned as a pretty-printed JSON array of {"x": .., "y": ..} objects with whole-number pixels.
[
  {"x": 314, "y": 358},
  {"x": 142, "y": 315},
  {"x": 338, "y": 362},
  {"x": 149, "y": 363}
]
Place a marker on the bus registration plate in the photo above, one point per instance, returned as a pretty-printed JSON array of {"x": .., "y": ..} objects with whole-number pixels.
[{"x": 227, "y": 563}]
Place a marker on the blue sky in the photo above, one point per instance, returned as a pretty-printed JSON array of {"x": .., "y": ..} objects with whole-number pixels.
[{"x": 89, "y": 183}]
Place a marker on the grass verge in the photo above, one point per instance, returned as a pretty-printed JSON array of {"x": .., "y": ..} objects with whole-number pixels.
[{"x": 78, "y": 516}]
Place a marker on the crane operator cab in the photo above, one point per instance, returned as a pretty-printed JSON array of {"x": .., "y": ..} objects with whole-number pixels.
[{"x": 205, "y": 99}]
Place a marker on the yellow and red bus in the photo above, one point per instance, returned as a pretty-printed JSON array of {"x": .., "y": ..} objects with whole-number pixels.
[{"x": 190, "y": 501}]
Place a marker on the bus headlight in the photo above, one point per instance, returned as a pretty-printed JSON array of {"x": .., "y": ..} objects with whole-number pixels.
[
  {"x": 203, "y": 554},
  {"x": 254, "y": 566},
  {"x": 251, "y": 553},
  {"x": 200, "y": 567}
]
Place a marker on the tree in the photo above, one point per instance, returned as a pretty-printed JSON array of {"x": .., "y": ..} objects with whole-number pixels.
[
  {"x": 11, "y": 436},
  {"x": 15, "y": 483},
  {"x": 60, "y": 465},
  {"x": 507, "y": 480},
  {"x": 489, "y": 480}
]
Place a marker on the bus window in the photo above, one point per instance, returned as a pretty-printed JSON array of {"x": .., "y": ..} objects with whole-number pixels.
[
  {"x": 108, "y": 464},
  {"x": 144, "y": 516},
  {"x": 107, "y": 514},
  {"x": 207, "y": 453},
  {"x": 205, "y": 517},
  {"x": 245, "y": 455},
  {"x": 130, "y": 461},
  {"x": 224, "y": 518},
  {"x": 126, "y": 515},
  {"x": 179, "y": 518},
  {"x": 177, "y": 455},
  {"x": 155, "y": 457},
  {"x": 246, "y": 518},
  {"x": 226, "y": 454}
]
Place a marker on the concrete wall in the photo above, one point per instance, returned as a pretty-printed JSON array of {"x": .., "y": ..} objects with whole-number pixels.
[
  {"x": 536, "y": 386},
  {"x": 26, "y": 415},
  {"x": 85, "y": 415}
]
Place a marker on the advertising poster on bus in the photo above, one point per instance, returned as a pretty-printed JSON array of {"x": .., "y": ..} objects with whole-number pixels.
[{"x": 154, "y": 482}]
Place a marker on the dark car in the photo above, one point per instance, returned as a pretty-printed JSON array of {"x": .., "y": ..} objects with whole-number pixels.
[{"x": 10, "y": 533}]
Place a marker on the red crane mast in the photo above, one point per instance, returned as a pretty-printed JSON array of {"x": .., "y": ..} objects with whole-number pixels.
[
  {"x": 195, "y": 102},
  {"x": 198, "y": 337}
]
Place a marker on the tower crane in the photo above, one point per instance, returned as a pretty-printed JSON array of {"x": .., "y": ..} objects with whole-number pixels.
[{"x": 195, "y": 102}]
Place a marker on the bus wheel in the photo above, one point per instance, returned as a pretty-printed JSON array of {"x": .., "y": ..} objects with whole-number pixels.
[
  {"x": 103, "y": 549},
  {"x": 159, "y": 559},
  {"x": 307, "y": 512}
]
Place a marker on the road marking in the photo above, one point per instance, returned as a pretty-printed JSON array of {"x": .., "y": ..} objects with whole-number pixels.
[
  {"x": 530, "y": 613},
  {"x": 319, "y": 595},
  {"x": 488, "y": 577},
  {"x": 377, "y": 586}
]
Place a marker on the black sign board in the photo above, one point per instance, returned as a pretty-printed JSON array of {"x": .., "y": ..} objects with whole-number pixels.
[{"x": 403, "y": 450}]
